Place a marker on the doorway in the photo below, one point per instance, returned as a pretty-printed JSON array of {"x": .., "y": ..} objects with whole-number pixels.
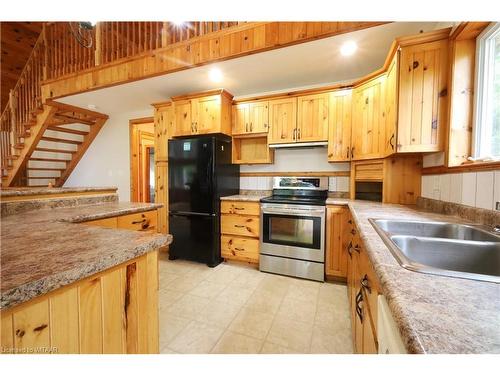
[{"x": 142, "y": 153}]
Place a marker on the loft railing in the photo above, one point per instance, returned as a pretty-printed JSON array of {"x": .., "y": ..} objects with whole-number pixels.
[{"x": 58, "y": 53}]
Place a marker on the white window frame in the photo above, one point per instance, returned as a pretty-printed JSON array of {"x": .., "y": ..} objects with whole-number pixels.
[{"x": 483, "y": 95}]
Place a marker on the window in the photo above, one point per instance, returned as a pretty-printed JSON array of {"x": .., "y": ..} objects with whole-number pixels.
[{"x": 487, "y": 111}]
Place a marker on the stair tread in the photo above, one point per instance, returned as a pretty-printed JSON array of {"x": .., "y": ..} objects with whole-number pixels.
[
  {"x": 61, "y": 140},
  {"x": 55, "y": 150},
  {"x": 66, "y": 130},
  {"x": 50, "y": 159},
  {"x": 39, "y": 177},
  {"x": 44, "y": 169}
]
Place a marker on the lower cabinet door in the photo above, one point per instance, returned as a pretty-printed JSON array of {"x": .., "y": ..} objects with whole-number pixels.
[
  {"x": 240, "y": 248},
  {"x": 144, "y": 221}
]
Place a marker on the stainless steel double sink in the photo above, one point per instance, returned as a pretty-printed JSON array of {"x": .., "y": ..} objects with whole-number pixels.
[{"x": 440, "y": 248}]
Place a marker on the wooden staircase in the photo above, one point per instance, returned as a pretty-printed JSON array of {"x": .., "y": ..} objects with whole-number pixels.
[{"x": 49, "y": 145}]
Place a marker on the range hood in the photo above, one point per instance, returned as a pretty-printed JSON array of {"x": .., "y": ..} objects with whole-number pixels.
[{"x": 299, "y": 144}]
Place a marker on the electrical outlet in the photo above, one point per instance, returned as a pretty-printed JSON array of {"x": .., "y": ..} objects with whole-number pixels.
[{"x": 497, "y": 206}]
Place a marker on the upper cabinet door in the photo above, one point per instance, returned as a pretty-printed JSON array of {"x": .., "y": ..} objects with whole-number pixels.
[
  {"x": 312, "y": 118},
  {"x": 391, "y": 106},
  {"x": 422, "y": 97},
  {"x": 339, "y": 128},
  {"x": 282, "y": 120},
  {"x": 259, "y": 117},
  {"x": 183, "y": 121},
  {"x": 206, "y": 114},
  {"x": 368, "y": 121},
  {"x": 240, "y": 119}
]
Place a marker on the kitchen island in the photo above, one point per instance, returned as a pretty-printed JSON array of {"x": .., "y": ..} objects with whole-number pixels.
[{"x": 71, "y": 287}]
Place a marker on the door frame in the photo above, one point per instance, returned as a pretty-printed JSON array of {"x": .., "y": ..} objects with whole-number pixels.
[{"x": 135, "y": 141}]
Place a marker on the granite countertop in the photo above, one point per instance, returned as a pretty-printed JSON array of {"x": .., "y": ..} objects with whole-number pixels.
[
  {"x": 435, "y": 314},
  {"x": 26, "y": 191},
  {"x": 245, "y": 197},
  {"x": 44, "y": 250}
]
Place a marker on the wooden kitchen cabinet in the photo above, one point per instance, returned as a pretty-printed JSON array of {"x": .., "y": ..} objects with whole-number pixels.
[
  {"x": 282, "y": 120},
  {"x": 240, "y": 229},
  {"x": 422, "y": 97},
  {"x": 202, "y": 113},
  {"x": 391, "y": 106},
  {"x": 312, "y": 118},
  {"x": 337, "y": 240},
  {"x": 368, "y": 120},
  {"x": 111, "y": 312},
  {"x": 363, "y": 289},
  {"x": 250, "y": 118},
  {"x": 339, "y": 125},
  {"x": 142, "y": 221}
]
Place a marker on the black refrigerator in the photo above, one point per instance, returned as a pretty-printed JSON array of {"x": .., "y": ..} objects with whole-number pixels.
[{"x": 200, "y": 172}]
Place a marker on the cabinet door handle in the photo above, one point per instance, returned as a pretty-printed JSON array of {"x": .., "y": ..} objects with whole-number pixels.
[
  {"x": 239, "y": 208},
  {"x": 139, "y": 221},
  {"x": 298, "y": 133},
  {"x": 349, "y": 249},
  {"x": 239, "y": 226},
  {"x": 365, "y": 284},
  {"x": 294, "y": 134},
  {"x": 359, "y": 308},
  {"x": 246, "y": 127},
  {"x": 251, "y": 127},
  {"x": 347, "y": 155},
  {"x": 239, "y": 249},
  {"x": 352, "y": 152},
  {"x": 391, "y": 141}
]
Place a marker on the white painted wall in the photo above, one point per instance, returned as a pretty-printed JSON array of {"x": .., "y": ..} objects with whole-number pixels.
[
  {"x": 296, "y": 160},
  {"x": 107, "y": 160}
]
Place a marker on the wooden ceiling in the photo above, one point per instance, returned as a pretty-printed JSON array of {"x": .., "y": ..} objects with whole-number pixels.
[{"x": 16, "y": 42}]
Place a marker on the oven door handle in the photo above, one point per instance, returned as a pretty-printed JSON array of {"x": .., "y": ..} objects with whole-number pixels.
[{"x": 295, "y": 212}]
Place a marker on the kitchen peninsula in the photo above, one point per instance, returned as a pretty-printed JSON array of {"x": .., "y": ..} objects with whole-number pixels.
[{"x": 89, "y": 285}]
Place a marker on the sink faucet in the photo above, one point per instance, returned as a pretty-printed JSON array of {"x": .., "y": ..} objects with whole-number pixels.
[{"x": 496, "y": 229}]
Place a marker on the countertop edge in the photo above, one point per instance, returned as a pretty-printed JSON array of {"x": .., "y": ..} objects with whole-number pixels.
[{"x": 120, "y": 212}]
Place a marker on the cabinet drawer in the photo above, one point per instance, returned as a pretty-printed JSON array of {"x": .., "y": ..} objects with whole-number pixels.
[
  {"x": 369, "y": 171},
  {"x": 239, "y": 207},
  {"x": 145, "y": 221},
  {"x": 240, "y": 248},
  {"x": 240, "y": 225}
]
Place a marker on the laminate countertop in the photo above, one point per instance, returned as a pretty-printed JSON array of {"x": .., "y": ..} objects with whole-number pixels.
[
  {"x": 46, "y": 249},
  {"x": 434, "y": 314},
  {"x": 27, "y": 191},
  {"x": 245, "y": 197}
]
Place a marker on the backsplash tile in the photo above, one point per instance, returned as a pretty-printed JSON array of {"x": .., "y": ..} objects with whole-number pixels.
[
  {"x": 259, "y": 183},
  {"x": 484, "y": 190},
  {"x": 474, "y": 189}
]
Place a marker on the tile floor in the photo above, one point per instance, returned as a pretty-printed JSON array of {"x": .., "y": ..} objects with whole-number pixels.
[{"x": 233, "y": 308}]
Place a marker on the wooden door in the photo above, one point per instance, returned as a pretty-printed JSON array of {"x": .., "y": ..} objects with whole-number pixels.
[
  {"x": 282, "y": 120},
  {"x": 391, "y": 106},
  {"x": 368, "y": 121},
  {"x": 337, "y": 240},
  {"x": 183, "y": 122},
  {"x": 206, "y": 114},
  {"x": 339, "y": 127},
  {"x": 312, "y": 118},
  {"x": 240, "y": 119},
  {"x": 422, "y": 97},
  {"x": 259, "y": 117}
]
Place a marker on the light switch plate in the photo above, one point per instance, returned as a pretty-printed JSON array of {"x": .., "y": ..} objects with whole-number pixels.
[{"x": 497, "y": 206}]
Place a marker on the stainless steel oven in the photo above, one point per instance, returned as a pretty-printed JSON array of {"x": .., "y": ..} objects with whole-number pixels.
[{"x": 293, "y": 231}]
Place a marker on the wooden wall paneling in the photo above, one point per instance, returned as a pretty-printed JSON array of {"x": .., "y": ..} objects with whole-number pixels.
[
  {"x": 391, "y": 106},
  {"x": 64, "y": 329},
  {"x": 6, "y": 332},
  {"x": 402, "y": 179},
  {"x": 339, "y": 127},
  {"x": 90, "y": 302},
  {"x": 31, "y": 328},
  {"x": 152, "y": 287},
  {"x": 161, "y": 195}
]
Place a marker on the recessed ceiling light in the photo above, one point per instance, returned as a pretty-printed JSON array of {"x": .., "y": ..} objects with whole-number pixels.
[
  {"x": 348, "y": 48},
  {"x": 215, "y": 75}
]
